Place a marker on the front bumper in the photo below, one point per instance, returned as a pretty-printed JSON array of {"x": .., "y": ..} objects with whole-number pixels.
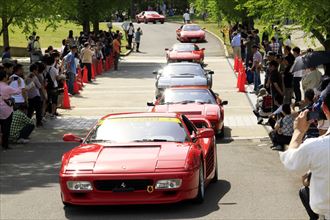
[
  {"x": 192, "y": 38},
  {"x": 188, "y": 189}
]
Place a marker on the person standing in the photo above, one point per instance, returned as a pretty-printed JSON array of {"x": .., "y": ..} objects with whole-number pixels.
[
  {"x": 276, "y": 85},
  {"x": 6, "y": 53},
  {"x": 116, "y": 50},
  {"x": 33, "y": 94},
  {"x": 287, "y": 75},
  {"x": 256, "y": 67},
  {"x": 19, "y": 82},
  {"x": 71, "y": 68},
  {"x": 297, "y": 76},
  {"x": 311, "y": 155},
  {"x": 6, "y": 108},
  {"x": 130, "y": 34},
  {"x": 236, "y": 44},
  {"x": 36, "y": 50},
  {"x": 86, "y": 56},
  {"x": 275, "y": 46},
  {"x": 51, "y": 77},
  {"x": 186, "y": 17},
  {"x": 138, "y": 34}
]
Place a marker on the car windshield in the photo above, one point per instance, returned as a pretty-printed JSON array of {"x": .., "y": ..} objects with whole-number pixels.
[
  {"x": 184, "y": 96},
  {"x": 141, "y": 129},
  {"x": 180, "y": 69},
  {"x": 151, "y": 13},
  {"x": 185, "y": 47},
  {"x": 191, "y": 28}
]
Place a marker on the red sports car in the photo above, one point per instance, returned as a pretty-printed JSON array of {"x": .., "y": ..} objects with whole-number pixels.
[
  {"x": 190, "y": 33},
  {"x": 139, "y": 158},
  {"x": 185, "y": 52},
  {"x": 196, "y": 101},
  {"x": 149, "y": 16}
]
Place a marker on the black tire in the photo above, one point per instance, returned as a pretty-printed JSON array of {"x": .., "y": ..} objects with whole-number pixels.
[
  {"x": 138, "y": 21},
  {"x": 199, "y": 199},
  {"x": 221, "y": 135},
  {"x": 145, "y": 21},
  {"x": 215, "y": 178},
  {"x": 154, "y": 22},
  {"x": 162, "y": 22}
]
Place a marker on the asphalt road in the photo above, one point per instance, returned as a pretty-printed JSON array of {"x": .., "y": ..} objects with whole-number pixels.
[{"x": 253, "y": 184}]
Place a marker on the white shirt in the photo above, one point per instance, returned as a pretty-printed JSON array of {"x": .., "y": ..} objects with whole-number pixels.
[
  {"x": 313, "y": 155},
  {"x": 186, "y": 16},
  {"x": 53, "y": 72},
  {"x": 298, "y": 73},
  {"x": 130, "y": 30},
  {"x": 14, "y": 84}
]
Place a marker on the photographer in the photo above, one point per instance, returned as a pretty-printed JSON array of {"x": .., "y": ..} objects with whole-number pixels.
[{"x": 313, "y": 156}]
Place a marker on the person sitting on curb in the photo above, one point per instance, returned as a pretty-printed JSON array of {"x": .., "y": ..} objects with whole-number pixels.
[
  {"x": 21, "y": 127},
  {"x": 283, "y": 131},
  {"x": 263, "y": 106}
]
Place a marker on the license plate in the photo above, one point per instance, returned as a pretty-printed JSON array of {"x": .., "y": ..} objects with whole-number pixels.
[{"x": 193, "y": 40}]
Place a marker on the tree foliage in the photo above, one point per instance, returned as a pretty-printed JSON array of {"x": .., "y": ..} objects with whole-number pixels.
[{"x": 312, "y": 16}]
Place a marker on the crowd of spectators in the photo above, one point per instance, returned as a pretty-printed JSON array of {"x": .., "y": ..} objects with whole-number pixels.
[
  {"x": 30, "y": 98},
  {"x": 285, "y": 99}
]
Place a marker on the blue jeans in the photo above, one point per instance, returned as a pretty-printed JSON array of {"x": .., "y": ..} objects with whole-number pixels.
[
  {"x": 256, "y": 80},
  {"x": 71, "y": 77}
]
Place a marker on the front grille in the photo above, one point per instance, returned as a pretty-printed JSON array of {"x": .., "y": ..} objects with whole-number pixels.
[{"x": 122, "y": 185}]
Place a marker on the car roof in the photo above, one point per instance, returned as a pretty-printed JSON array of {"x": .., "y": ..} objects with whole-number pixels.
[{"x": 141, "y": 114}]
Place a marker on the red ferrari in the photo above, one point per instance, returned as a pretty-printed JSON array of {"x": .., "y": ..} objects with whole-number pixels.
[
  {"x": 139, "y": 158},
  {"x": 193, "y": 101},
  {"x": 149, "y": 16},
  {"x": 190, "y": 33},
  {"x": 185, "y": 52}
]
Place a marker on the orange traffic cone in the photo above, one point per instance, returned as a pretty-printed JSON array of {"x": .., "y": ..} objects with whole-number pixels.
[
  {"x": 66, "y": 98},
  {"x": 85, "y": 75},
  {"x": 238, "y": 79},
  {"x": 76, "y": 87},
  {"x": 241, "y": 87}
]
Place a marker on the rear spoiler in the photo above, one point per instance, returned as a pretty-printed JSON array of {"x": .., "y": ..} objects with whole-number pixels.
[{"x": 200, "y": 120}]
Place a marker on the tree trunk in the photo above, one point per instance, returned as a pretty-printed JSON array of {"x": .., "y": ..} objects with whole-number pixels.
[
  {"x": 96, "y": 26},
  {"x": 5, "y": 31},
  {"x": 86, "y": 27}
]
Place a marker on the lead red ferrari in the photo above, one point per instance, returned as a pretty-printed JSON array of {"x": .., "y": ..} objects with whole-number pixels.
[
  {"x": 139, "y": 158},
  {"x": 190, "y": 33},
  {"x": 149, "y": 16},
  {"x": 185, "y": 52}
]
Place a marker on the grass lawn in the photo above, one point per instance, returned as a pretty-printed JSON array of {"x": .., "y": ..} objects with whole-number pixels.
[{"x": 50, "y": 36}]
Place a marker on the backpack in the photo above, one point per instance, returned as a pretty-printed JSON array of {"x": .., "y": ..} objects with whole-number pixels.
[{"x": 49, "y": 80}]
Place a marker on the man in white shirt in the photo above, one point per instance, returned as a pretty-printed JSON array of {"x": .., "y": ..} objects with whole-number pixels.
[
  {"x": 313, "y": 155},
  {"x": 18, "y": 82},
  {"x": 186, "y": 17},
  {"x": 297, "y": 76}
]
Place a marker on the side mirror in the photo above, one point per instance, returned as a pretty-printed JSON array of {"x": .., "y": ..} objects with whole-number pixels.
[
  {"x": 150, "y": 104},
  {"x": 224, "y": 103},
  {"x": 203, "y": 28},
  {"x": 205, "y": 133},
  {"x": 72, "y": 138},
  {"x": 155, "y": 72},
  {"x": 166, "y": 49},
  {"x": 216, "y": 94},
  {"x": 203, "y": 49},
  {"x": 210, "y": 72}
]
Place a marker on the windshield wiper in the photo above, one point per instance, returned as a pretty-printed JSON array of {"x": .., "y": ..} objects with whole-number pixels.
[
  {"x": 186, "y": 102},
  {"x": 151, "y": 140},
  {"x": 98, "y": 140}
]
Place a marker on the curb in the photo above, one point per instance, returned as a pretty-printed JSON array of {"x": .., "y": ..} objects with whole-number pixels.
[
  {"x": 222, "y": 42},
  {"x": 126, "y": 53}
]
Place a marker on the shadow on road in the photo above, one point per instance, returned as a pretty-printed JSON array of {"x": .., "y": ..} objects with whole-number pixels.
[
  {"x": 183, "y": 210},
  {"x": 29, "y": 166}
]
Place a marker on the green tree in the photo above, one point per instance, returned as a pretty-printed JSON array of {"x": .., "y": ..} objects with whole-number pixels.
[
  {"x": 26, "y": 14},
  {"x": 312, "y": 16}
]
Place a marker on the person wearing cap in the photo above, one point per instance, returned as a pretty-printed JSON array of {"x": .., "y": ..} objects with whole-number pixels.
[
  {"x": 311, "y": 155},
  {"x": 86, "y": 56},
  {"x": 256, "y": 67},
  {"x": 71, "y": 68},
  {"x": 6, "y": 108}
]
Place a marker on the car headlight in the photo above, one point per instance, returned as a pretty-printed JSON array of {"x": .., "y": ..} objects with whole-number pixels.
[
  {"x": 79, "y": 185},
  {"x": 168, "y": 184}
]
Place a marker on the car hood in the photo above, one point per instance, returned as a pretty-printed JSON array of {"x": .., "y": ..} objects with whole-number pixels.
[
  {"x": 181, "y": 80},
  {"x": 183, "y": 55},
  {"x": 190, "y": 109},
  {"x": 128, "y": 158},
  {"x": 192, "y": 33}
]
